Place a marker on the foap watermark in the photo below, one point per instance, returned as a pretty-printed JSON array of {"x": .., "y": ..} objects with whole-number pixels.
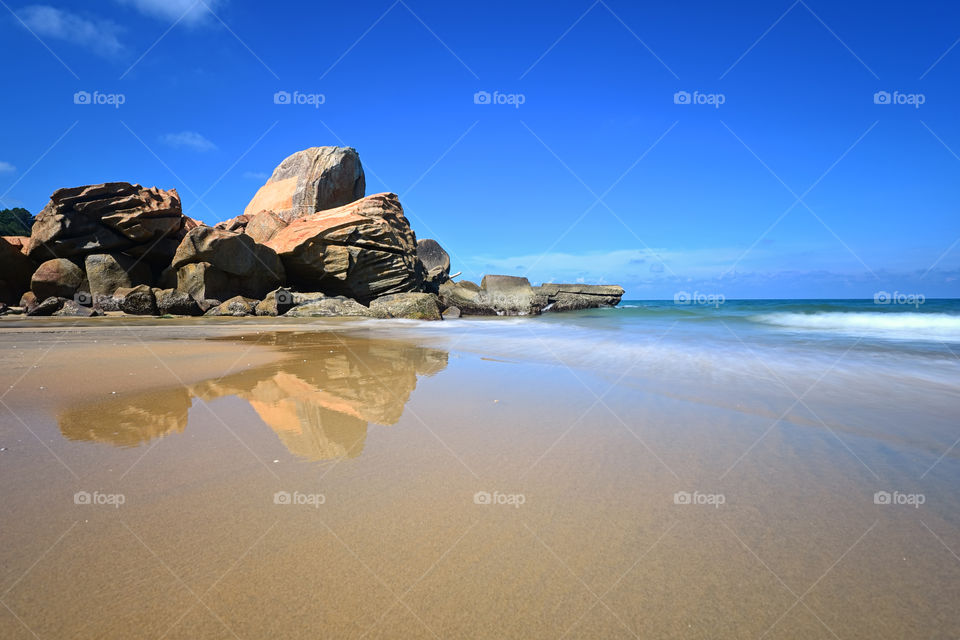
[
  {"x": 685, "y": 297},
  {"x": 897, "y": 498},
  {"x": 100, "y": 499},
  {"x": 513, "y": 499},
  {"x": 712, "y": 99},
  {"x": 513, "y": 99},
  {"x": 111, "y": 99},
  {"x": 296, "y": 498},
  {"x": 310, "y": 99},
  {"x": 697, "y": 498},
  {"x": 911, "y": 99},
  {"x": 912, "y": 299}
]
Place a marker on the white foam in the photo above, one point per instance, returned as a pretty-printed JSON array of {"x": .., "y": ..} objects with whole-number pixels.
[{"x": 890, "y": 326}]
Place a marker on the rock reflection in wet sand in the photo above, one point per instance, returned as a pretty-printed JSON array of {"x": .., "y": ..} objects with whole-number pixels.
[{"x": 318, "y": 398}]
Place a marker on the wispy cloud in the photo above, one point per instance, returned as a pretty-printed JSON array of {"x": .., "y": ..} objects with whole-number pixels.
[
  {"x": 189, "y": 12},
  {"x": 188, "y": 140},
  {"x": 99, "y": 36},
  {"x": 6, "y": 167}
]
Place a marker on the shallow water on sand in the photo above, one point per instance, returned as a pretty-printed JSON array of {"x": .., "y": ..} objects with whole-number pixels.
[{"x": 476, "y": 479}]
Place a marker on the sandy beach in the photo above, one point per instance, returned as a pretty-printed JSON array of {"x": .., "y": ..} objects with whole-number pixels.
[{"x": 245, "y": 479}]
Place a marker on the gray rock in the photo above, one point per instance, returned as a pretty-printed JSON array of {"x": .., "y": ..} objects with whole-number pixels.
[
  {"x": 311, "y": 180},
  {"x": 177, "y": 303},
  {"x": 56, "y": 278},
  {"x": 435, "y": 264},
  {"x": 331, "y": 307},
  {"x": 415, "y": 306},
  {"x": 572, "y": 297},
  {"x": 107, "y": 272},
  {"x": 451, "y": 312},
  {"x": 237, "y": 306},
  {"x": 497, "y": 295},
  {"x": 136, "y": 301},
  {"x": 73, "y": 309},
  {"x": 46, "y": 308}
]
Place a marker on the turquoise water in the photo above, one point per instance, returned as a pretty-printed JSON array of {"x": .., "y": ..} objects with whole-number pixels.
[{"x": 857, "y": 341}]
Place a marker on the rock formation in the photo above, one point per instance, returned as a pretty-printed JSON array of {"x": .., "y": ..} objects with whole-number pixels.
[
  {"x": 309, "y": 244},
  {"x": 362, "y": 250}
]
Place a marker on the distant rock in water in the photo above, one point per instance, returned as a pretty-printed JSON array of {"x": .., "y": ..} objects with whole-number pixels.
[{"x": 311, "y": 180}]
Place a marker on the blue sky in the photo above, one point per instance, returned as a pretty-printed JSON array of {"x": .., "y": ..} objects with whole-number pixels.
[{"x": 798, "y": 184}]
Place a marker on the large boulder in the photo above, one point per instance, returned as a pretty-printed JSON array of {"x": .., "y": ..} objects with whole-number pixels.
[
  {"x": 435, "y": 263},
  {"x": 572, "y": 297},
  {"x": 311, "y": 180},
  {"x": 107, "y": 272},
  {"x": 415, "y": 306},
  {"x": 214, "y": 263},
  {"x": 101, "y": 218},
  {"x": 15, "y": 268},
  {"x": 56, "y": 278},
  {"x": 363, "y": 250},
  {"x": 237, "y": 224}
]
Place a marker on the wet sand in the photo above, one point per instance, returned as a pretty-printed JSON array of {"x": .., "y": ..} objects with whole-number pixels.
[{"x": 322, "y": 481}]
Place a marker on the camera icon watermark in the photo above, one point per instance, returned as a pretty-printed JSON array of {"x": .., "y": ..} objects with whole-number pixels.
[
  {"x": 96, "y": 498},
  {"x": 96, "y": 98},
  {"x": 712, "y": 99},
  {"x": 911, "y": 299},
  {"x": 301, "y": 499},
  {"x": 696, "y": 498},
  {"x": 912, "y": 99},
  {"x": 284, "y": 298},
  {"x": 512, "y": 99},
  {"x": 712, "y": 299},
  {"x": 83, "y": 298},
  {"x": 309, "y": 99},
  {"x": 512, "y": 499},
  {"x": 897, "y": 498}
]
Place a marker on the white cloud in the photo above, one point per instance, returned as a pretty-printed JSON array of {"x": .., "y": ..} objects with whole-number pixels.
[
  {"x": 188, "y": 140},
  {"x": 6, "y": 167},
  {"x": 190, "y": 12},
  {"x": 100, "y": 36}
]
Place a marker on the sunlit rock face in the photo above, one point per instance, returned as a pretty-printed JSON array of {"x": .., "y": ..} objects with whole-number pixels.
[{"x": 318, "y": 401}]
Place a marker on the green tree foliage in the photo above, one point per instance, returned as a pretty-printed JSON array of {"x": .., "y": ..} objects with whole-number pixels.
[{"x": 15, "y": 222}]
